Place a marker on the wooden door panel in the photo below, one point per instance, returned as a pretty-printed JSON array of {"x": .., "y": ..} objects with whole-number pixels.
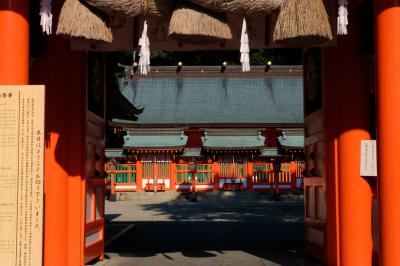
[
  {"x": 95, "y": 187},
  {"x": 315, "y": 188}
]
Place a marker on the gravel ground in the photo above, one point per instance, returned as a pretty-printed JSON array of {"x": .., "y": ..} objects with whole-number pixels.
[{"x": 208, "y": 232}]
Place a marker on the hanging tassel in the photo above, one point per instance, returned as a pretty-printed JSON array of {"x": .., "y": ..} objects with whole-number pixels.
[
  {"x": 342, "y": 20},
  {"x": 244, "y": 48},
  {"x": 46, "y": 18},
  {"x": 144, "y": 61}
]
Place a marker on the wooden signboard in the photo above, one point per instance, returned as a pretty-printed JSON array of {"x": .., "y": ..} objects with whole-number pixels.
[{"x": 21, "y": 174}]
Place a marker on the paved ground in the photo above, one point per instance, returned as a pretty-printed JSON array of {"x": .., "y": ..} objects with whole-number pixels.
[{"x": 208, "y": 232}]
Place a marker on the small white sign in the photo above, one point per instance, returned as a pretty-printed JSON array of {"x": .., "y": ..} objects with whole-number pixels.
[{"x": 368, "y": 162}]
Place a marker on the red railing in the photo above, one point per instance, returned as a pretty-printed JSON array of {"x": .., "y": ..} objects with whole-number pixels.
[
  {"x": 233, "y": 170},
  {"x": 122, "y": 177},
  {"x": 298, "y": 175},
  {"x": 204, "y": 174},
  {"x": 233, "y": 176},
  {"x": 204, "y": 177},
  {"x": 289, "y": 177},
  {"x": 227, "y": 176},
  {"x": 263, "y": 176},
  {"x": 183, "y": 177},
  {"x": 156, "y": 176},
  {"x": 284, "y": 179}
]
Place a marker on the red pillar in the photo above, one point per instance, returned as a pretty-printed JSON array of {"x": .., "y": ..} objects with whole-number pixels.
[
  {"x": 216, "y": 173},
  {"x": 65, "y": 151},
  {"x": 14, "y": 42},
  {"x": 155, "y": 178},
  {"x": 139, "y": 175},
  {"x": 346, "y": 103},
  {"x": 388, "y": 115},
  {"x": 112, "y": 183},
  {"x": 250, "y": 172},
  {"x": 172, "y": 177}
]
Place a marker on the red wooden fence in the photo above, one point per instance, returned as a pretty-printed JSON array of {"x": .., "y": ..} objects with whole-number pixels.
[{"x": 216, "y": 176}]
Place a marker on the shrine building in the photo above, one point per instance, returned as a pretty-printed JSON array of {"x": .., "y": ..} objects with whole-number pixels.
[
  {"x": 234, "y": 126},
  {"x": 215, "y": 136}
]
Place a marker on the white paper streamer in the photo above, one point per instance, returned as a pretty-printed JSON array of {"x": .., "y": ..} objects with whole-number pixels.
[
  {"x": 144, "y": 61},
  {"x": 244, "y": 48},
  {"x": 342, "y": 20},
  {"x": 46, "y": 18}
]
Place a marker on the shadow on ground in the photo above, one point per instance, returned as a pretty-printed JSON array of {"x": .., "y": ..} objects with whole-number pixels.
[{"x": 269, "y": 230}]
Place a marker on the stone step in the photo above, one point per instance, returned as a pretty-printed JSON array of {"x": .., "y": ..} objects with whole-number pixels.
[
  {"x": 204, "y": 195},
  {"x": 147, "y": 196}
]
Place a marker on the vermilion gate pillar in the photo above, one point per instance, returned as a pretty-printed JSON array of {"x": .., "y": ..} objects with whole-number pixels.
[
  {"x": 388, "y": 116},
  {"x": 347, "y": 122},
  {"x": 14, "y": 42}
]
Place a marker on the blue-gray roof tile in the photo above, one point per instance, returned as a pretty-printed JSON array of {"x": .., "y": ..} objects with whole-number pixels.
[
  {"x": 273, "y": 100},
  {"x": 233, "y": 142},
  {"x": 154, "y": 142},
  {"x": 293, "y": 142}
]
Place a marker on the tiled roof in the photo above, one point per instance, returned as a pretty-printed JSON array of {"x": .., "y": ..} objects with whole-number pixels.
[
  {"x": 215, "y": 100},
  {"x": 114, "y": 153},
  {"x": 155, "y": 142},
  {"x": 291, "y": 142},
  {"x": 233, "y": 142},
  {"x": 269, "y": 152},
  {"x": 192, "y": 152}
]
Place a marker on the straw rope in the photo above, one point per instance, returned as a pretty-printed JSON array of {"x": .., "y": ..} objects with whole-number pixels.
[
  {"x": 80, "y": 20},
  {"x": 243, "y": 7},
  {"x": 302, "y": 23},
  {"x": 192, "y": 23},
  {"x": 131, "y": 8}
]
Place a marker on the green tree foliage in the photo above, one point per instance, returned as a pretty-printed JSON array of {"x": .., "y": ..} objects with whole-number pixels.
[
  {"x": 276, "y": 56},
  {"x": 215, "y": 58}
]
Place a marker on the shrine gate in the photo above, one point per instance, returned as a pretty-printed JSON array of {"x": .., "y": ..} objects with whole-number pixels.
[{"x": 338, "y": 200}]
